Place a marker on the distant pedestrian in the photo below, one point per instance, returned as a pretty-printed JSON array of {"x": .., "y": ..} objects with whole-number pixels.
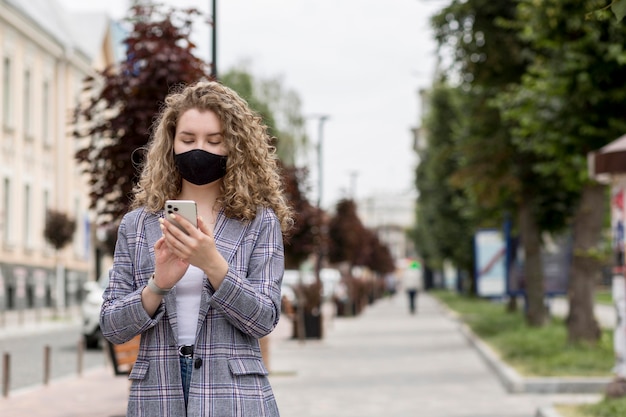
[{"x": 412, "y": 284}]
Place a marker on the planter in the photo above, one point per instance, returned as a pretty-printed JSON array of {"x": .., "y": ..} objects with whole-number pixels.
[{"x": 312, "y": 326}]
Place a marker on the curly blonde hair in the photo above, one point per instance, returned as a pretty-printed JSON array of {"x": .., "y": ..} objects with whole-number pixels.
[{"x": 252, "y": 172}]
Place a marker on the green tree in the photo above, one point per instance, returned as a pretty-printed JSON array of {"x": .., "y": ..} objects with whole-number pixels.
[
  {"x": 487, "y": 58},
  {"x": 444, "y": 226},
  {"x": 498, "y": 176},
  {"x": 243, "y": 82},
  {"x": 618, "y": 7},
  {"x": 571, "y": 102},
  {"x": 116, "y": 119},
  {"x": 285, "y": 123},
  {"x": 280, "y": 107}
]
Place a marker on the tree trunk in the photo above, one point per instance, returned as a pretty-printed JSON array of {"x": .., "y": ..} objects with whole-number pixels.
[
  {"x": 587, "y": 229},
  {"x": 59, "y": 291},
  {"x": 533, "y": 268}
]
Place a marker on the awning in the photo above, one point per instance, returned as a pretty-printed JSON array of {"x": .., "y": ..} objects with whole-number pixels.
[{"x": 608, "y": 160}]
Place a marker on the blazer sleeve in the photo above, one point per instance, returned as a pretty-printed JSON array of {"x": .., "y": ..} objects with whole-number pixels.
[
  {"x": 122, "y": 316},
  {"x": 252, "y": 303}
]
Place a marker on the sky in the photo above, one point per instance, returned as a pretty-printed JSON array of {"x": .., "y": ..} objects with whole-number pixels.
[{"x": 361, "y": 63}]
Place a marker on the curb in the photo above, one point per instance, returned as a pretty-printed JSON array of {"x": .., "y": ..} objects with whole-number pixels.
[
  {"x": 547, "y": 412},
  {"x": 515, "y": 383}
]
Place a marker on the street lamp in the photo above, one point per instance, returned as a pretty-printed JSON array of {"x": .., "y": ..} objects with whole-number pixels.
[
  {"x": 214, "y": 39},
  {"x": 320, "y": 188},
  {"x": 320, "y": 158}
]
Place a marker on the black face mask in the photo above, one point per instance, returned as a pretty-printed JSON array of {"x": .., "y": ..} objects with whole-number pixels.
[{"x": 200, "y": 167}]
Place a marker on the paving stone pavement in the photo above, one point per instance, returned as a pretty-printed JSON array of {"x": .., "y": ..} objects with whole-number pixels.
[
  {"x": 383, "y": 363},
  {"x": 389, "y": 363}
]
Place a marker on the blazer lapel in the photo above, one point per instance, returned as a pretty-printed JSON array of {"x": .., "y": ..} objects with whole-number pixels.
[{"x": 228, "y": 233}]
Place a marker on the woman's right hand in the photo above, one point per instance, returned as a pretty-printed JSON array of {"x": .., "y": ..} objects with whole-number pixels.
[
  {"x": 168, "y": 271},
  {"x": 169, "y": 268}
]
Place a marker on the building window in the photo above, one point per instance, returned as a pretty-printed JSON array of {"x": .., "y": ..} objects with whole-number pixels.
[
  {"x": 7, "y": 113},
  {"x": 45, "y": 113},
  {"x": 46, "y": 207},
  {"x": 77, "y": 239},
  {"x": 6, "y": 211},
  {"x": 28, "y": 229},
  {"x": 46, "y": 204},
  {"x": 27, "y": 116}
]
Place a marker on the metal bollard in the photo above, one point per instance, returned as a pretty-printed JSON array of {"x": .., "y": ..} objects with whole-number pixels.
[
  {"x": 80, "y": 354},
  {"x": 6, "y": 371},
  {"x": 46, "y": 364}
]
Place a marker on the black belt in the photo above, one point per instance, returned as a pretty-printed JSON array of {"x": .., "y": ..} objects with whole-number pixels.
[{"x": 185, "y": 351}]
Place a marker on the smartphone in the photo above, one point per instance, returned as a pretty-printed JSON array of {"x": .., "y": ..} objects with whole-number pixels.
[{"x": 183, "y": 208}]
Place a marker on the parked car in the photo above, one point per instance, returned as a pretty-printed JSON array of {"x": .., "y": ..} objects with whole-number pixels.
[
  {"x": 291, "y": 278},
  {"x": 90, "y": 309},
  {"x": 330, "y": 278}
]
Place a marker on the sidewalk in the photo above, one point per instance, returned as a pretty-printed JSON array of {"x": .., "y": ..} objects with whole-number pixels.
[
  {"x": 384, "y": 362},
  {"x": 389, "y": 363}
]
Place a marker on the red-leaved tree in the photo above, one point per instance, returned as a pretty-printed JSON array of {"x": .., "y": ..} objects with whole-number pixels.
[
  {"x": 122, "y": 101},
  {"x": 303, "y": 239}
]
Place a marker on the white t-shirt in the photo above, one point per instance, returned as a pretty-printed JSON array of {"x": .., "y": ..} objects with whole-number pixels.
[
  {"x": 412, "y": 279},
  {"x": 188, "y": 291}
]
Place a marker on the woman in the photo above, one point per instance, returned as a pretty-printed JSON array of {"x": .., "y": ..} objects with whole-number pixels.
[{"x": 202, "y": 298}]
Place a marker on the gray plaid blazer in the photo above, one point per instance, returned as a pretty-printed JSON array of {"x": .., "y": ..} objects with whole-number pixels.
[{"x": 232, "y": 379}]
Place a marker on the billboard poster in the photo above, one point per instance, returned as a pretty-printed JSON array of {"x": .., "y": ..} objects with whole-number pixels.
[
  {"x": 556, "y": 257},
  {"x": 617, "y": 223},
  {"x": 490, "y": 256},
  {"x": 618, "y": 216}
]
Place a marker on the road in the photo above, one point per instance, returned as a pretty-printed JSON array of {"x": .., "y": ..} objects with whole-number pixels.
[{"x": 27, "y": 352}]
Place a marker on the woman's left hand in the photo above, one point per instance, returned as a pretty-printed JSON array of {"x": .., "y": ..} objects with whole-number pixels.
[{"x": 197, "y": 247}]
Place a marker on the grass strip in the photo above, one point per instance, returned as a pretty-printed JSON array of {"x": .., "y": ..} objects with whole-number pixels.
[
  {"x": 532, "y": 351},
  {"x": 605, "y": 408},
  {"x": 604, "y": 296}
]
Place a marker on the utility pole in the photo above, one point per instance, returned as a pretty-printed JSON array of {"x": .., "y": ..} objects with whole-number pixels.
[
  {"x": 320, "y": 216},
  {"x": 353, "y": 178},
  {"x": 214, "y": 39},
  {"x": 320, "y": 189},
  {"x": 320, "y": 159}
]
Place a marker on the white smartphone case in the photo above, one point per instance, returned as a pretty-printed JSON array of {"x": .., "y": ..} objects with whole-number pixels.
[{"x": 184, "y": 208}]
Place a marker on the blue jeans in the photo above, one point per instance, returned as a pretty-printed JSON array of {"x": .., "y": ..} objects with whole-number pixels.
[{"x": 186, "y": 367}]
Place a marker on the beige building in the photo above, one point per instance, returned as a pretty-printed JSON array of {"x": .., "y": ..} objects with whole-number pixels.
[
  {"x": 391, "y": 216},
  {"x": 45, "y": 53}
]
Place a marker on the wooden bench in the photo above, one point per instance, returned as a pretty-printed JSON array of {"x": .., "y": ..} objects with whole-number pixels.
[{"x": 124, "y": 356}]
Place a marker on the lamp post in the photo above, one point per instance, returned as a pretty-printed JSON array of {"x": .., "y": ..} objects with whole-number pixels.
[
  {"x": 320, "y": 221},
  {"x": 214, "y": 39},
  {"x": 320, "y": 159}
]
